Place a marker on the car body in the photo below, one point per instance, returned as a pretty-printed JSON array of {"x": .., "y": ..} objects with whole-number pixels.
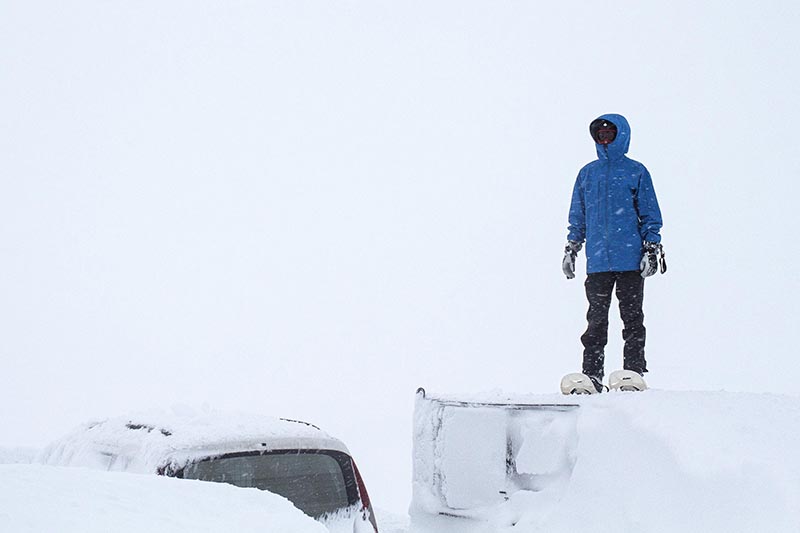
[{"x": 291, "y": 458}]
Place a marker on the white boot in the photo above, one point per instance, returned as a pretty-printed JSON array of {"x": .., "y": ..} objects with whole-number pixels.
[
  {"x": 626, "y": 380},
  {"x": 578, "y": 383}
]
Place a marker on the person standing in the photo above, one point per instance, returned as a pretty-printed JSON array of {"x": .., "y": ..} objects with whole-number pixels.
[{"x": 614, "y": 211}]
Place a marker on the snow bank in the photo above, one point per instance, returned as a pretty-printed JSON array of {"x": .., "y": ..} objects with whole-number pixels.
[
  {"x": 651, "y": 462},
  {"x": 36, "y": 498},
  {"x": 11, "y": 455}
]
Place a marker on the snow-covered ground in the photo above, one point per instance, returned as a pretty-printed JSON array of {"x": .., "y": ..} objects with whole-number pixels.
[
  {"x": 38, "y": 498},
  {"x": 35, "y": 498},
  {"x": 658, "y": 461}
]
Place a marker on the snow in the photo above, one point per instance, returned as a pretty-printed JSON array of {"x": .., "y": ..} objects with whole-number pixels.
[
  {"x": 36, "y": 498},
  {"x": 657, "y": 461},
  {"x": 145, "y": 442},
  {"x": 18, "y": 455}
]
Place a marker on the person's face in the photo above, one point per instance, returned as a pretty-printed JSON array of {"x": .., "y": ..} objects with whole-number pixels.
[
  {"x": 606, "y": 135},
  {"x": 603, "y": 132}
]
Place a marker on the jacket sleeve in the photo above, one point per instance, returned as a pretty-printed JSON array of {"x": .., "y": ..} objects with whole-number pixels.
[
  {"x": 577, "y": 213},
  {"x": 647, "y": 207}
]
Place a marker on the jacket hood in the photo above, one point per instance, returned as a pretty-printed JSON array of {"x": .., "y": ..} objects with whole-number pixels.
[{"x": 619, "y": 146}]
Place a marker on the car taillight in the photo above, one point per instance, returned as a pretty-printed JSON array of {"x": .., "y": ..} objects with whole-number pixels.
[{"x": 366, "y": 505}]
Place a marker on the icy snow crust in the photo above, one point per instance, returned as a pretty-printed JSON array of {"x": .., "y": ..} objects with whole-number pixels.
[
  {"x": 145, "y": 443},
  {"x": 653, "y": 461}
]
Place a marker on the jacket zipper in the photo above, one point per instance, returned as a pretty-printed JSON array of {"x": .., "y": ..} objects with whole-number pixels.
[{"x": 607, "y": 207}]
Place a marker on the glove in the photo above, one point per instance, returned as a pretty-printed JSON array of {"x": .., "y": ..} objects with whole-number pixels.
[
  {"x": 650, "y": 260},
  {"x": 570, "y": 253}
]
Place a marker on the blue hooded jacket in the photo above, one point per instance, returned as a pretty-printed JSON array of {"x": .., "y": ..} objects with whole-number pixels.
[{"x": 614, "y": 207}]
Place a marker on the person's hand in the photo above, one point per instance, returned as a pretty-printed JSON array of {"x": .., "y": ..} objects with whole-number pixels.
[
  {"x": 649, "y": 264},
  {"x": 570, "y": 253}
]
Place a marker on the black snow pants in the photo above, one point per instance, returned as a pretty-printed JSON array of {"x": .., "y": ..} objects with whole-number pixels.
[{"x": 630, "y": 293}]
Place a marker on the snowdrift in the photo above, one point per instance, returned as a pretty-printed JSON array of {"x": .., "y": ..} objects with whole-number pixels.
[
  {"x": 647, "y": 462},
  {"x": 36, "y": 498}
]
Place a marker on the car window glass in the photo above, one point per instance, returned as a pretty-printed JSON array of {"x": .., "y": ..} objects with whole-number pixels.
[{"x": 314, "y": 482}]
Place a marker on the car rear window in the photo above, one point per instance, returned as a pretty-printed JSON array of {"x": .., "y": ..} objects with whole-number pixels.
[{"x": 316, "y": 482}]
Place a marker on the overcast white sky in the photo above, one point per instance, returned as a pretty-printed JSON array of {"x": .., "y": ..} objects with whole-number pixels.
[{"x": 310, "y": 208}]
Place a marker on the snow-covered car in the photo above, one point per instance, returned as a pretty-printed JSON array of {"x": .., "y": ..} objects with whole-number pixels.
[
  {"x": 475, "y": 457},
  {"x": 294, "y": 459}
]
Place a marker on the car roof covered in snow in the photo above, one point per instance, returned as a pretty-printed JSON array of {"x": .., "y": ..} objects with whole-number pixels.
[{"x": 149, "y": 442}]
